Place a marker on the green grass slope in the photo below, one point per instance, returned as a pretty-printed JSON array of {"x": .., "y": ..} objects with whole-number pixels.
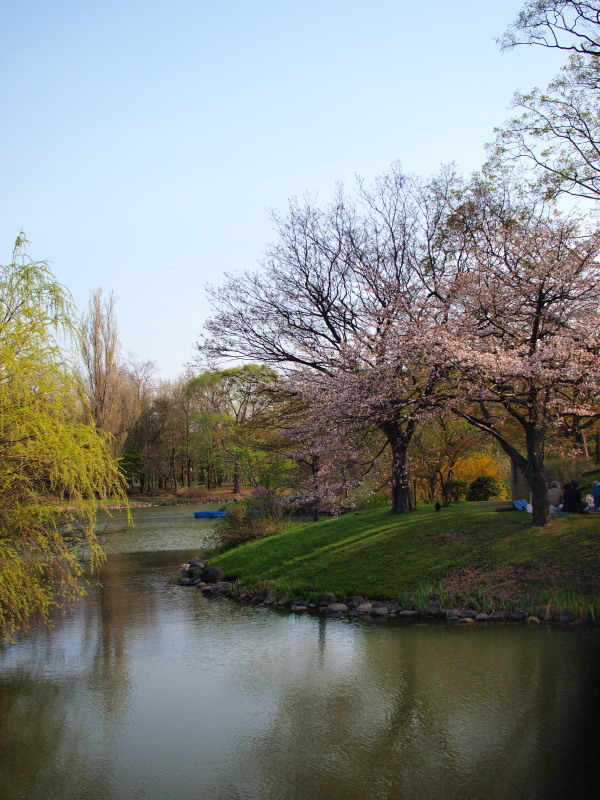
[{"x": 465, "y": 554}]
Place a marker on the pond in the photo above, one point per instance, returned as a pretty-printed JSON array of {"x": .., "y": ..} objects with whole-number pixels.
[{"x": 148, "y": 690}]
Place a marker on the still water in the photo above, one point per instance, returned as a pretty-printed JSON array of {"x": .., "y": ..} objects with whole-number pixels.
[{"x": 147, "y": 690}]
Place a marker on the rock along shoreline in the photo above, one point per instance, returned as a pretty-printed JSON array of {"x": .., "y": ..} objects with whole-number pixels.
[{"x": 211, "y": 581}]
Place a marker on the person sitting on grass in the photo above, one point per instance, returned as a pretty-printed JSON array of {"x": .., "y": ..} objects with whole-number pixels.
[
  {"x": 572, "y": 498},
  {"x": 555, "y": 497},
  {"x": 596, "y": 495}
]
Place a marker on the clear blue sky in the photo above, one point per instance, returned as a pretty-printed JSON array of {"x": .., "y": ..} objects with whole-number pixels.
[{"x": 144, "y": 142}]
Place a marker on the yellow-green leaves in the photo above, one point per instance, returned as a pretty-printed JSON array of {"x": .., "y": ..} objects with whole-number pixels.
[{"x": 55, "y": 466}]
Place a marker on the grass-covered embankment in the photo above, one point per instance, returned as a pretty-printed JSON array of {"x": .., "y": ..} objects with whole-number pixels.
[{"x": 467, "y": 554}]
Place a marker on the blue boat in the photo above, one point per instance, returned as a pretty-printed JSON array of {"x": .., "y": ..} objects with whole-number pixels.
[{"x": 209, "y": 514}]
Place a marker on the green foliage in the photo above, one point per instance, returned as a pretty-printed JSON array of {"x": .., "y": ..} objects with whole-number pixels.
[
  {"x": 231, "y": 424},
  {"x": 130, "y": 462},
  {"x": 375, "y": 499},
  {"x": 456, "y": 491},
  {"x": 254, "y": 518},
  {"x": 54, "y": 464},
  {"x": 421, "y": 596},
  {"x": 274, "y": 472},
  {"x": 444, "y": 598},
  {"x": 485, "y": 487}
]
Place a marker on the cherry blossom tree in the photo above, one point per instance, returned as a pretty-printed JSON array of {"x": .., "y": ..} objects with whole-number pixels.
[
  {"x": 338, "y": 307},
  {"x": 521, "y": 335}
]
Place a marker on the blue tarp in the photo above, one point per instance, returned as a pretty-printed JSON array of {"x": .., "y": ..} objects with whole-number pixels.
[{"x": 209, "y": 514}]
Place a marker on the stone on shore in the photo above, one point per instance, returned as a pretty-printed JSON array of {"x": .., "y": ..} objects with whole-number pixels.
[
  {"x": 380, "y": 611},
  {"x": 212, "y": 575},
  {"x": 517, "y": 615},
  {"x": 564, "y": 615},
  {"x": 326, "y": 598},
  {"x": 214, "y": 589},
  {"x": 336, "y": 608}
]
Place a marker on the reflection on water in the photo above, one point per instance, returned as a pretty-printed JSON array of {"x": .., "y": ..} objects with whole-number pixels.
[
  {"x": 148, "y": 690},
  {"x": 158, "y": 528}
]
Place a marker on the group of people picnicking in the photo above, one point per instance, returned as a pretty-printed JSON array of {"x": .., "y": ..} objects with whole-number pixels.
[{"x": 570, "y": 499}]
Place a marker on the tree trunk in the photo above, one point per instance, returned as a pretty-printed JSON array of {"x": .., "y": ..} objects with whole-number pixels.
[
  {"x": 536, "y": 478},
  {"x": 518, "y": 481},
  {"x": 173, "y": 470},
  {"x": 580, "y": 437},
  {"x": 237, "y": 482},
  {"x": 401, "y": 493},
  {"x": 531, "y": 468},
  {"x": 444, "y": 492},
  {"x": 431, "y": 487},
  {"x": 402, "y": 496}
]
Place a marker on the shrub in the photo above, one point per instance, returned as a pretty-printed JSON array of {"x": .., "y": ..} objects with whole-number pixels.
[
  {"x": 374, "y": 499},
  {"x": 485, "y": 487},
  {"x": 455, "y": 491},
  {"x": 256, "y": 517}
]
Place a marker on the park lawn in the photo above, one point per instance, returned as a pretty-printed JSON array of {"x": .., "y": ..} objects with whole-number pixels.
[{"x": 466, "y": 551}]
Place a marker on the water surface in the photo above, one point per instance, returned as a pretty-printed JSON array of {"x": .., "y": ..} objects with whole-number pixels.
[{"x": 146, "y": 689}]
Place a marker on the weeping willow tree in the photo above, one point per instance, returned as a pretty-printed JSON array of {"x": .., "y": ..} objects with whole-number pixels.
[{"x": 55, "y": 466}]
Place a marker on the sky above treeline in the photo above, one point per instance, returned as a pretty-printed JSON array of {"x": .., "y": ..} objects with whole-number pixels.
[{"x": 144, "y": 143}]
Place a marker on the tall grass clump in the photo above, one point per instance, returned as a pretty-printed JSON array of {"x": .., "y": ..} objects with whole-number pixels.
[{"x": 256, "y": 517}]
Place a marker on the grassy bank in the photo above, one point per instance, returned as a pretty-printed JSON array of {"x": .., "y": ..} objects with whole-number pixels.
[{"x": 466, "y": 555}]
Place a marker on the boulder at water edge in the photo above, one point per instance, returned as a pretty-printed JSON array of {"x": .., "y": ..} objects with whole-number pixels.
[{"x": 212, "y": 575}]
